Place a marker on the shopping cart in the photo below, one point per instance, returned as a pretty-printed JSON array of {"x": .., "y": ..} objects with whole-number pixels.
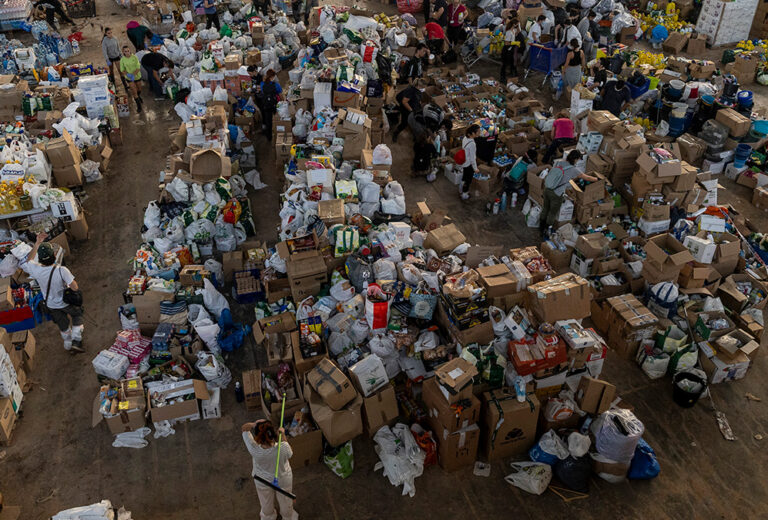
[
  {"x": 545, "y": 58},
  {"x": 469, "y": 51}
]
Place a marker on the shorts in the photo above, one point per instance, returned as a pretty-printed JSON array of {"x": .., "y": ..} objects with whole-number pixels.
[{"x": 61, "y": 316}]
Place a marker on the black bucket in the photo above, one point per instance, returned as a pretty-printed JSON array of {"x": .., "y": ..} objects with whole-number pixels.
[{"x": 683, "y": 397}]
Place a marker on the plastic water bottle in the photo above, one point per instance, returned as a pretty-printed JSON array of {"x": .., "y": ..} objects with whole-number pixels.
[
  {"x": 504, "y": 202},
  {"x": 75, "y": 47},
  {"x": 513, "y": 203},
  {"x": 239, "y": 393},
  {"x": 520, "y": 389},
  {"x": 496, "y": 204}
]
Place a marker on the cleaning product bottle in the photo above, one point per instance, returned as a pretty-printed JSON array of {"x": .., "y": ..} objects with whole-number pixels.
[{"x": 504, "y": 202}]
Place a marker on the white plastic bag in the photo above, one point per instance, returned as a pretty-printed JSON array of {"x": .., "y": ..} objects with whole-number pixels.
[
  {"x": 578, "y": 444},
  {"x": 382, "y": 154},
  {"x": 213, "y": 300},
  {"x": 532, "y": 477},
  {"x": 134, "y": 439}
]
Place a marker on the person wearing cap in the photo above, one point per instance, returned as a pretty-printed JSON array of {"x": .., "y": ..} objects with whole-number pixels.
[{"x": 53, "y": 280}]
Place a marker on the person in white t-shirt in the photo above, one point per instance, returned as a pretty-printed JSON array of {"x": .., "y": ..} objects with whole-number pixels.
[
  {"x": 53, "y": 280},
  {"x": 260, "y": 438},
  {"x": 534, "y": 33}
]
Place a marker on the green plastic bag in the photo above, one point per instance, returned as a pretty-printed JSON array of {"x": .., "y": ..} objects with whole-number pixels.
[
  {"x": 223, "y": 188},
  {"x": 225, "y": 30},
  {"x": 340, "y": 460}
]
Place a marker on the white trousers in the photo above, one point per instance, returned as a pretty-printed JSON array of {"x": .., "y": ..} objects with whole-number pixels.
[{"x": 267, "y": 500}]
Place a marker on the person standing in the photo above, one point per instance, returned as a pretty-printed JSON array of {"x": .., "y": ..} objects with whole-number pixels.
[
  {"x": 554, "y": 188},
  {"x": 514, "y": 45},
  {"x": 261, "y": 439},
  {"x": 110, "y": 47},
  {"x": 52, "y": 8},
  {"x": 130, "y": 70},
  {"x": 138, "y": 35},
  {"x": 457, "y": 14},
  {"x": 53, "y": 280},
  {"x": 408, "y": 100},
  {"x": 154, "y": 62},
  {"x": 589, "y": 32},
  {"x": 562, "y": 134},
  {"x": 435, "y": 37},
  {"x": 211, "y": 14},
  {"x": 566, "y": 33},
  {"x": 469, "y": 166},
  {"x": 414, "y": 67},
  {"x": 440, "y": 13},
  {"x": 270, "y": 92},
  {"x": 573, "y": 66}
]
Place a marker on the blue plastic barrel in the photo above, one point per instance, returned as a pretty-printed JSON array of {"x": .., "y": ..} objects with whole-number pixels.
[
  {"x": 743, "y": 151},
  {"x": 744, "y": 98}
]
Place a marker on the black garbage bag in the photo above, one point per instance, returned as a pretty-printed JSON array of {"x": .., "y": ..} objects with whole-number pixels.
[{"x": 574, "y": 472}]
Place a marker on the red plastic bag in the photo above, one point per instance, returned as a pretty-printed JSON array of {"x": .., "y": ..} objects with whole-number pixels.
[{"x": 427, "y": 443}]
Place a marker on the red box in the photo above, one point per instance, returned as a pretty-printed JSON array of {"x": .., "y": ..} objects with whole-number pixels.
[{"x": 553, "y": 356}]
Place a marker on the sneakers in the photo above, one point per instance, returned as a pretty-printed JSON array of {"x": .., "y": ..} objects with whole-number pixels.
[
  {"x": 431, "y": 177},
  {"x": 77, "y": 347},
  {"x": 465, "y": 195}
]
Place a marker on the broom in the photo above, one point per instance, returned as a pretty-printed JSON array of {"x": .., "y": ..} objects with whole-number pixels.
[{"x": 274, "y": 485}]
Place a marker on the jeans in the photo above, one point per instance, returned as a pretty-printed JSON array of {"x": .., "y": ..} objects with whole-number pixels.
[
  {"x": 508, "y": 60},
  {"x": 155, "y": 86}
]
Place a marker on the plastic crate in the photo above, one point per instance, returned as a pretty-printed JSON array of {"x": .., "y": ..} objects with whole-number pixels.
[
  {"x": 547, "y": 58},
  {"x": 636, "y": 92},
  {"x": 81, "y": 8}
]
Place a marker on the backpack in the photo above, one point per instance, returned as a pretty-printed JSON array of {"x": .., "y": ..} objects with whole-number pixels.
[
  {"x": 269, "y": 96},
  {"x": 554, "y": 178},
  {"x": 460, "y": 157}
]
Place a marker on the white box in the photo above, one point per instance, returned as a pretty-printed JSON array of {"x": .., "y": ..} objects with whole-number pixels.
[
  {"x": 703, "y": 250},
  {"x": 574, "y": 334},
  {"x": 66, "y": 209},
  {"x": 581, "y": 266},
  {"x": 653, "y": 228},
  {"x": 369, "y": 374},
  {"x": 710, "y": 223},
  {"x": 322, "y": 95},
  {"x": 401, "y": 230}
]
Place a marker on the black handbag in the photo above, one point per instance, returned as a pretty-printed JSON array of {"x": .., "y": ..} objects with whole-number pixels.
[{"x": 73, "y": 297}]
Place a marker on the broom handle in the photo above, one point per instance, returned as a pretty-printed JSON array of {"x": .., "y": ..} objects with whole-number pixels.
[{"x": 280, "y": 438}]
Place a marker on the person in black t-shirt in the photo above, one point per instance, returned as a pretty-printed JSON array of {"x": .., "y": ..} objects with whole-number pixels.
[
  {"x": 409, "y": 100},
  {"x": 414, "y": 67},
  {"x": 440, "y": 13},
  {"x": 153, "y": 63},
  {"x": 615, "y": 96}
]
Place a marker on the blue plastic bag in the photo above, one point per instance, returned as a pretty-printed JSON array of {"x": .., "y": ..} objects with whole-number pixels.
[
  {"x": 231, "y": 334},
  {"x": 644, "y": 465},
  {"x": 549, "y": 449}
]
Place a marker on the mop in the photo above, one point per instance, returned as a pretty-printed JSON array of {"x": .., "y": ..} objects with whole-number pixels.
[{"x": 274, "y": 485}]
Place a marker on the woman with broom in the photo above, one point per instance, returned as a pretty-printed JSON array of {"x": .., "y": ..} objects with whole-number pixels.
[{"x": 266, "y": 449}]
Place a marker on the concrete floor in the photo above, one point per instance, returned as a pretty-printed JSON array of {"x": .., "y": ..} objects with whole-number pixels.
[{"x": 58, "y": 461}]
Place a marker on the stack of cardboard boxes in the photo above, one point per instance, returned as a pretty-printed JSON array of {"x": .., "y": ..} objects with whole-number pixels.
[
  {"x": 335, "y": 404},
  {"x": 305, "y": 265},
  {"x": 65, "y": 159},
  {"x": 453, "y": 413}
]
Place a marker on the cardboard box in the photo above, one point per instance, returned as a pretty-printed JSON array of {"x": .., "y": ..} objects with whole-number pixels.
[
  {"x": 509, "y": 426},
  {"x": 592, "y": 192},
  {"x": 283, "y": 322},
  {"x": 738, "y": 125},
  {"x": 68, "y": 176},
  {"x": 736, "y": 342},
  {"x": 667, "y": 254},
  {"x": 231, "y": 261},
  {"x": 208, "y": 165},
  {"x": 193, "y": 275},
  {"x": 185, "y": 409},
  {"x": 331, "y": 211},
  {"x": 62, "y": 151},
  {"x": 444, "y": 239},
  {"x": 78, "y": 229},
  {"x": 380, "y": 409},
  {"x": 628, "y": 323},
  {"x": 720, "y": 369},
  {"x": 456, "y": 450},
  {"x": 498, "y": 280},
  {"x": 592, "y": 245},
  {"x": 8, "y": 419},
  {"x": 25, "y": 342},
  {"x": 307, "y": 448},
  {"x": 272, "y": 410},
  {"x": 252, "y": 389},
  {"x": 440, "y": 412},
  {"x": 334, "y": 388},
  {"x": 675, "y": 43},
  {"x": 563, "y": 297},
  {"x": 601, "y": 121},
  {"x": 454, "y": 378},
  {"x": 338, "y": 426},
  {"x": 595, "y": 396},
  {"x": 369, "y": 375},
  {"x": 131, "y": 415}
]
